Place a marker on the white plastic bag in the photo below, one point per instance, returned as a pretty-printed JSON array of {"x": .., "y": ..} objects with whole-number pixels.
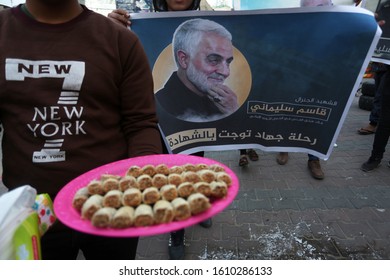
[{"x": 19, "y": 233}]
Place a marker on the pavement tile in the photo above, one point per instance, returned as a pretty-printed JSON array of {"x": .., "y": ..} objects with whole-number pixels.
[
  {"x": 328, "y": 230},
  {"x": 383, "y": 190},
  {"x": 316, "y": 193},
  {"x": 382, "y": 247},
  {"x": 152, "y": 246},
  {"x": 338, "y": 192},
  {"x": 309, "y": 215},
  {"x": 299, "y": 184},
  {"x": 292, "y": 193},
  {"x": 311, "y": 203},
  {"x": 361, "y": 202},
  {"x": 284, "y": 203},
  {"x": 382, "y": 213},
  {"x": 382, "y": 229},
  {"x": 226, "y": 217},
  {"x": 363, "y": 215},
  {"x": 268, "y": 193},
  {"x": 383, "y": 202},
  {"x": 333, "y": 215},
  {"x": 249, "y": 218},
  {"x": 332, "y": 203},
  {"x": 357, "y": 249},
  {"x": 219, "y": 250},
  {"x": 258, "y": 204},
  {"x": 271, "y": 217},
  {"x": 229, "y": 231},
  {"x": 361, "y": 229},
  {"x": 198, "y": 233}
]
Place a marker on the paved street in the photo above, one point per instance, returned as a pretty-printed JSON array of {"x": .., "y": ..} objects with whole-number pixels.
[{"x": 281, "y": 212}]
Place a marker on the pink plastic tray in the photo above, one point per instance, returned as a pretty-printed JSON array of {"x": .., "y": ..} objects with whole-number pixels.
[{"x": 69, "y": 216}]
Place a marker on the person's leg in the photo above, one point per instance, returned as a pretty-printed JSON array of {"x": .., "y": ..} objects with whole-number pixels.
[
  {"x": 312, "y": 157},
  {"x": 206, "y": 223},
  {"x": 376, "y": 105},
  {"x": 176, "y": 245},
  {"x": 380, "y": 140},
  {"x": 199, "y": 154},
  {"x": 243, "y": 161},
  {"x": 314, "y": 166},
  {"x": 383, "y": 128},
  {"x": 107, "y": 248},
  {"x": 253, "y": 156},
  {"x": 282, "y": 158},
  {"x": 58, "y": 243}
]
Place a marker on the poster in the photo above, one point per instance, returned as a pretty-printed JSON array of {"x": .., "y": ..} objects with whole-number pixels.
[{"x": 294, "y": 71}]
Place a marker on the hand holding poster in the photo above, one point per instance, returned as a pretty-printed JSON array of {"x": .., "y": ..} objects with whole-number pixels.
[{"x": 276, "y": 80}]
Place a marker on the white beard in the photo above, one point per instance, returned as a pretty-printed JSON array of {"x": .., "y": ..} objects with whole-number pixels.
[{"x": 200, "y": 80}]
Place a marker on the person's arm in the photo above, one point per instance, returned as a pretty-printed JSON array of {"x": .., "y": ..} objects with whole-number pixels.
[
  {"x": 121, "y": 17},
  {"x": 138, "y": 109}
]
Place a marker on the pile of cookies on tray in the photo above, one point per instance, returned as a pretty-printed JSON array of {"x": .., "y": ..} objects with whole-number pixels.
[{"x": 151, "y": 195}]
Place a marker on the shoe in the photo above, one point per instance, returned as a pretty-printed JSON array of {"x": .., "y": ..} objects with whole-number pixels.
[
  {"x": 282, "y": 158},
  {"x": 253, "y": 156},
  {"x": 315, "y": 169},
  {"x": 243, "y": 161},
  {"x": 206, "y": 223},
  {"x": 370, "y": 164},
  {"x": 176, "y": 245},
  {"x": 369, "y": 129}
]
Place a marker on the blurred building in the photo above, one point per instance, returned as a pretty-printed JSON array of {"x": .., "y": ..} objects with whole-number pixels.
[{"x": 9, "y": 3}]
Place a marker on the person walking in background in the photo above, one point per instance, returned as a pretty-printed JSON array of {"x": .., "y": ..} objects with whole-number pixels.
[
  {"x": 383, "y": 128},
  {"x": 93, "y": 105},
  {"x": 379, "y": 69},
  {"x": 382, "y": 133},
  {"x": 244, "y": 154}
]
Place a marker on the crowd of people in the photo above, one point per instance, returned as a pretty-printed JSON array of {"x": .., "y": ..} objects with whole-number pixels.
[{"x": 115, "y": 95}]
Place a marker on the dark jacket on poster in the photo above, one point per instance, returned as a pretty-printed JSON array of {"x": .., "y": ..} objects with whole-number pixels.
[{"x": 181, "y": 102}]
